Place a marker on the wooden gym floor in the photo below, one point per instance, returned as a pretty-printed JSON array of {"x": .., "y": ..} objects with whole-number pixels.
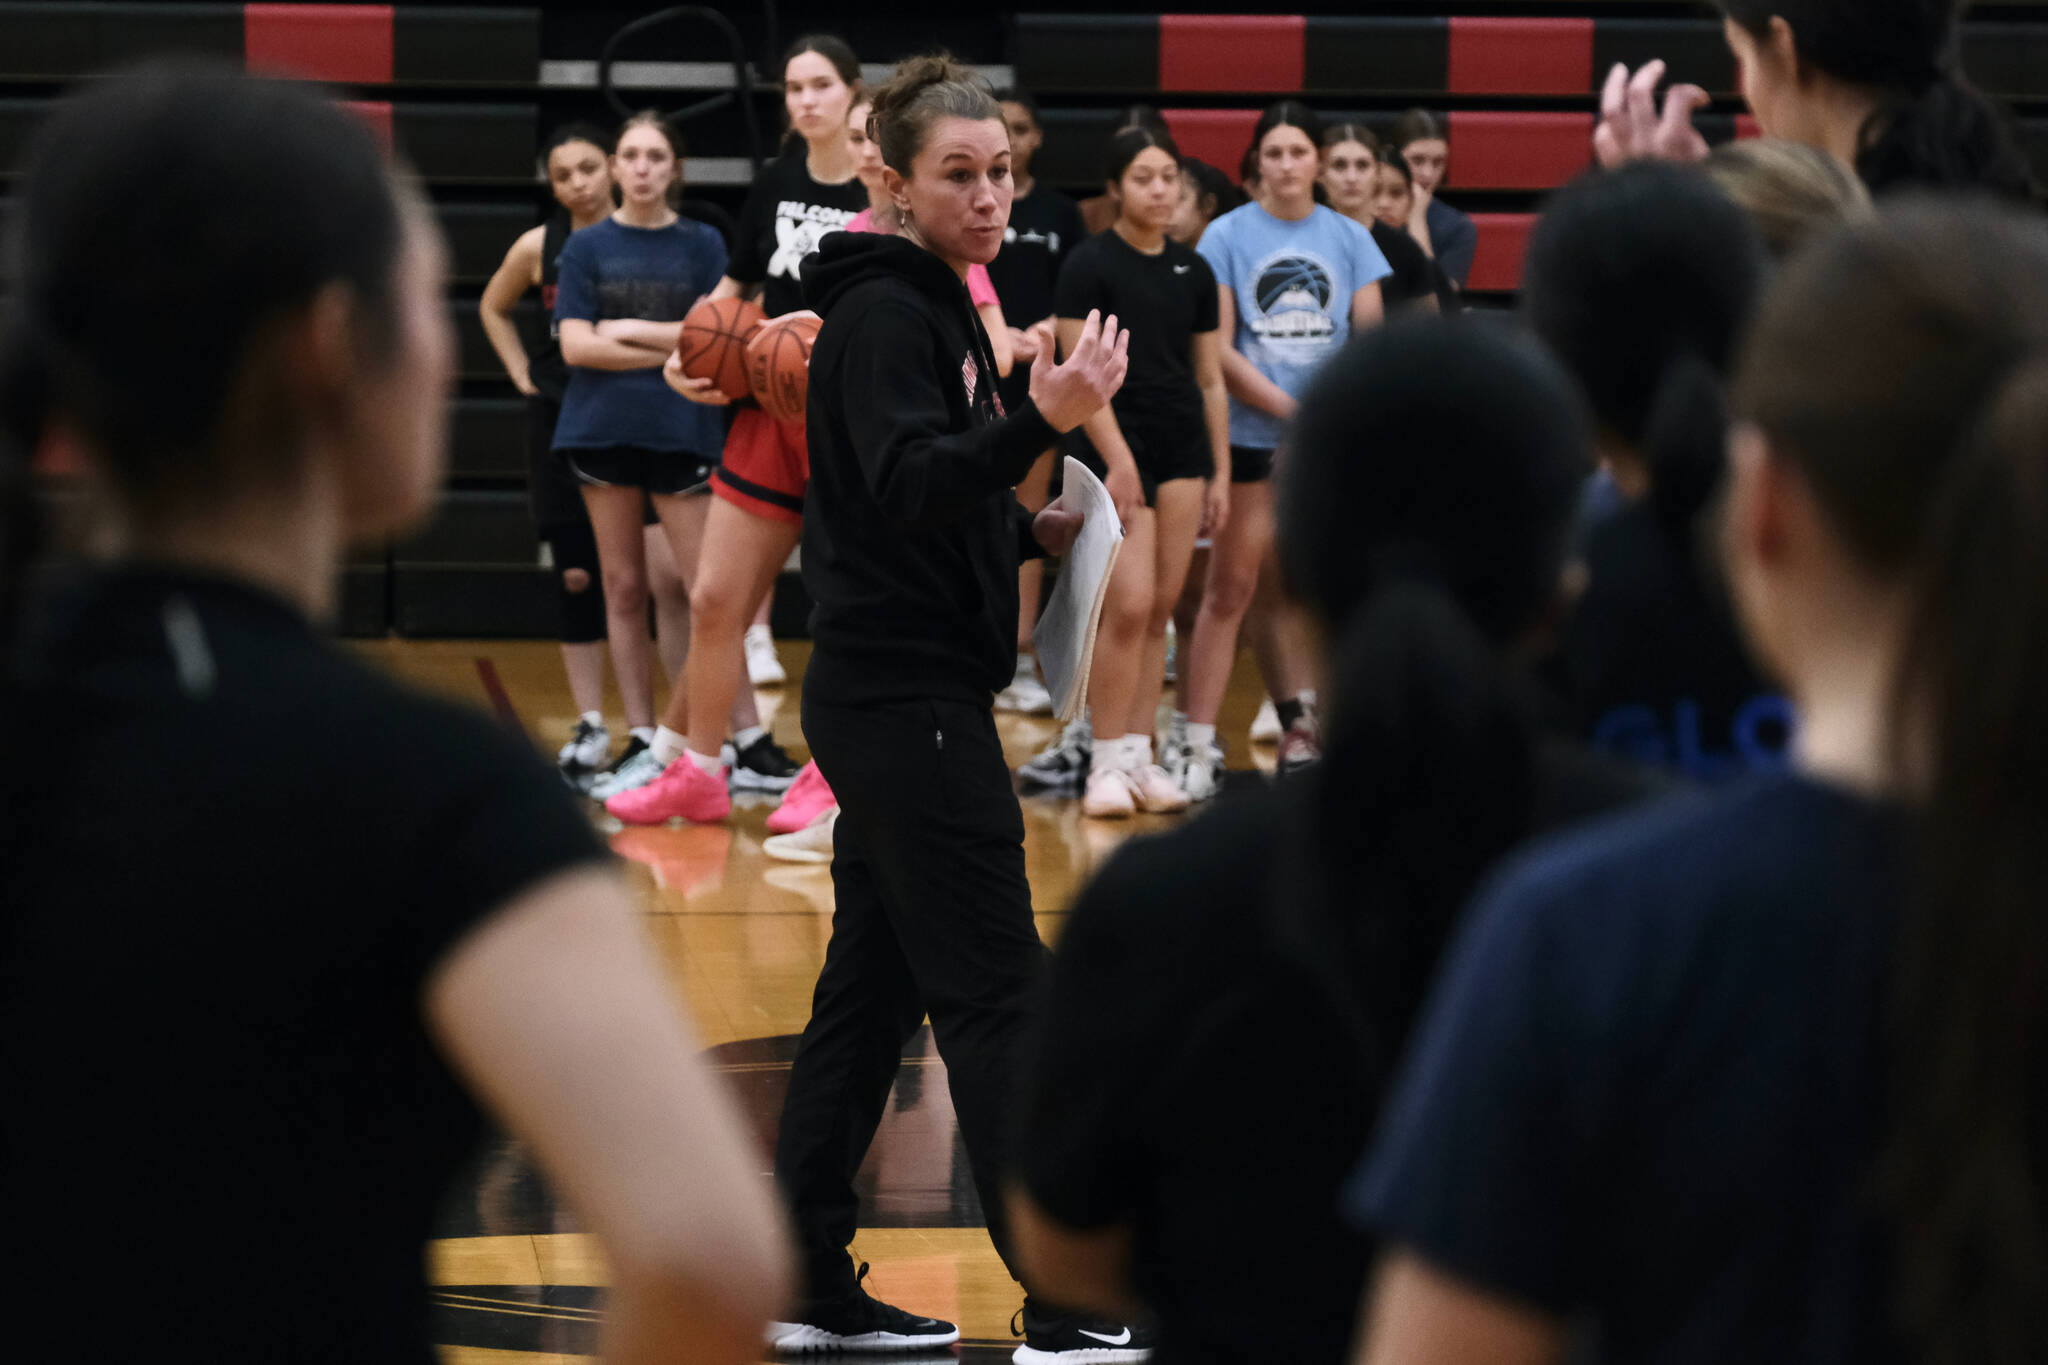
[{"x": 743, "y": 937}]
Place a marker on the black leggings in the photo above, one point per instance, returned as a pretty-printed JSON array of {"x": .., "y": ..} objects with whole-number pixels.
[{"x": 564, "y": 525}]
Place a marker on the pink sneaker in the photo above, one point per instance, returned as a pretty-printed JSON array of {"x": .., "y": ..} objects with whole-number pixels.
[
  {"x": 683, "y": 789},
  {"x": 808, "y": 798}
]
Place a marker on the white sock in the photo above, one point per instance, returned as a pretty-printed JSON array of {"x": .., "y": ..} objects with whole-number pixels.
[
  {"x": 711, "y": 764},
  {"x": 1027, "y": 667},
  {"x": 643, "y": 733},
  {"x": 1307, "y": 696},
  {"x": 747, "y": 736},
  {"x": 593, "y": 717},
  {"x": 667, "y": 746},
  {"x": 1201, "y": 737},
  {"x": 1137, "y": 752}
]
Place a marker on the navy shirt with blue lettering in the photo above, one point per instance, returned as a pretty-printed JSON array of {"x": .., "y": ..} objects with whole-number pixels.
[
  {"x": 1651, "y": 663},
  {"x": 1647, "y": 1092},
  {"x": 610, "y": 270}
]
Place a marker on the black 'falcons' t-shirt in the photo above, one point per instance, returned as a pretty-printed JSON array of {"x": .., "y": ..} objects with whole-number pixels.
[
  {"x": 786, "y": 215},
  {"x": 246, "y": 857}
]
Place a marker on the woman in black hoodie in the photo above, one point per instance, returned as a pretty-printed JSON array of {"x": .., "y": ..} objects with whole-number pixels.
[{"x": 910, "y": 549}]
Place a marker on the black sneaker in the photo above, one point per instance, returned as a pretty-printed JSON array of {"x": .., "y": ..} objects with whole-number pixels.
[
  {"x": 761, "y": 767},
  {"x": 1064, "y": 763},
  {"x": 1055, "y": 1338},
  {"x": 855, "y": 1322}
]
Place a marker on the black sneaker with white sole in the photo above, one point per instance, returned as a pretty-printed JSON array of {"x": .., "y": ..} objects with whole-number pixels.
[
  {"x": 762, "y": 767},
  {"x": 1064, "y": 764},
  {"x": 1055, "y": 1338},
  {"x": 854, "y": 1322}
]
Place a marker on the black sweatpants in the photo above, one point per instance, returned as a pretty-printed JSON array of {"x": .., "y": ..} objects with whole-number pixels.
[{"x": 933, "y": 917}]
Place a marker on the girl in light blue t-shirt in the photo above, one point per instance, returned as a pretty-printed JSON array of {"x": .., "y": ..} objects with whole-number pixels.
[{"x": 1295, "y": 278}]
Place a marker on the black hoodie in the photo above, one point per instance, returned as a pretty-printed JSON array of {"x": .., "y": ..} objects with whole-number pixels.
[{"x": 911, "y": 532}]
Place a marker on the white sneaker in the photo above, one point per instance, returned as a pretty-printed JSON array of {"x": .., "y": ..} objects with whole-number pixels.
[
  {"x": 763, "y": 668},
  {"x": 1199, "y": 781},
  {"x": 1025, "y": 695},
  {"x": 1266, "y": 724},
  {"x": 635, "y": 773},
  {"x": 1109, "y": 795},
  {"x": 1155, "y": 792},
  {"x": 811, "y": 844}
]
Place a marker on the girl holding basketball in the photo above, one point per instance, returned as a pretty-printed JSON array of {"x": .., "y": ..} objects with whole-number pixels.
[
  {"x": 1294, "y": 280},
  {"x": 1163, "y": 446},
  {"x": 758, "y": 488}
]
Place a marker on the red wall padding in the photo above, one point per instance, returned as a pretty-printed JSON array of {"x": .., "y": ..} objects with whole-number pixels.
[
  {"x": 1518, "y": 151},
  {"x": 1520, "y": 57},
  {"x": 1217, "y": 136},
  {"x": 1260, "y": 54},
  {"x": 377, "y": 114},
  {"x": 346, "y": 43},
  {"x": 1503, "y": 240}
]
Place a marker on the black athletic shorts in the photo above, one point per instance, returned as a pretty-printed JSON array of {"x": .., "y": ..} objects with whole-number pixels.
[
  {"x": 1161, "y": 457},
  {"x": 550, "y": 486},
  {"x": 657, "y": 471},
  {"x": 1250, "y": 464}
]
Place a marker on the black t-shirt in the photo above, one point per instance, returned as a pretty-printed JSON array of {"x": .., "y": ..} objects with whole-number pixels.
[
  {"x": 1414, "y": 276},
  {"x": 245, "y": 854},
  {"x": 1652, "y": 664},
  {"x": 1648, "y": 1091},
  {"x": 1045, "y": 226},
  {"x": 1192, "y": 1077},
  {"x": 1165, "y": 300},
  {"x": 786, "y": 214}
]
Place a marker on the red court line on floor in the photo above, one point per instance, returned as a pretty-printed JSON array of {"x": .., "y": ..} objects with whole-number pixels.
[{"x": 487, "y": 674}]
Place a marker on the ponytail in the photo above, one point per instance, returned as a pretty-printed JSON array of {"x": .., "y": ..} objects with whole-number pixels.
[
  {"x": 1963, "y": 1171},
  {"x": 1947, "y": 136},
  {"x": 1685, "y": 440},
  {"x": 1430, "y": 749}
]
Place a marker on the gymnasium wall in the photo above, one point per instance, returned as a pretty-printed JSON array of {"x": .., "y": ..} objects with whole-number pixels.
[{"x": 466, "y": 91}]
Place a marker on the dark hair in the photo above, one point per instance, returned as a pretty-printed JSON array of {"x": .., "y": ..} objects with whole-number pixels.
[
  {"x": 578, "y": 131},
  {"x": 1641, "y": 280},
  {"x": 139, "y": 328},
  {"x": 1211, "y": 183},
  {"x": 1338, "y": 134},
  {"x": 1248, "y": 164},
  {"x": 1416, "y": 125},
  {"x": 1425, "y": 516},
  {"x": 1287, "y": 114},
  {"x": 1901, "y": 366},
  {"x": 1932, "y": 127},
  {"x": 1398, "y": 164},
  {"x": 832, "y": 48},
  {"x": 924, "y": 90},
  {"x": 1015, "y": 96},
  {"x": 1123, "y": 149},
  {"x": 1143, "y": 116}
]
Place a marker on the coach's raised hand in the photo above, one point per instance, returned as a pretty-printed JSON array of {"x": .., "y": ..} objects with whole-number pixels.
[{"x": 1069, "y": 393}]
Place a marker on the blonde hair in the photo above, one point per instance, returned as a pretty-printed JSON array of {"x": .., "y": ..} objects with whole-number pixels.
[{"x": 1790, "y": 190}]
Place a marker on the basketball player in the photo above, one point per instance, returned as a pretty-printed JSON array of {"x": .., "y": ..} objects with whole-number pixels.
[
  {"x": 388, "y": 912},
  {"x": 757, "y": 510},
  {"x": 579, "y": 174},
  {"x": 1351, "y": 159},
  {"x": 911, "y": 541},
  {"x": 1163, "y": 447},
  {"x": 1295, "y": 279},
  {"x": 624, "y": 285}
]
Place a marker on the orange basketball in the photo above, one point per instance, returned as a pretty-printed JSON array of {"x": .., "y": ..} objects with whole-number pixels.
[
  {"x": 779, "y": 365},
  {"x": 714, "y": 343}
]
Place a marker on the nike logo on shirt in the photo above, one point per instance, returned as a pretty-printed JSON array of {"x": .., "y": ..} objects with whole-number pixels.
[
  {"x": 1123, "y": 1338},
  {"x": 1178, "y": 270}
]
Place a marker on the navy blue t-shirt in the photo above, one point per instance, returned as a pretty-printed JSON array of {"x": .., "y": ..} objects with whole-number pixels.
[
  {"x": 1647, "y": 1090},
  {"x": 609, "y": 270}
]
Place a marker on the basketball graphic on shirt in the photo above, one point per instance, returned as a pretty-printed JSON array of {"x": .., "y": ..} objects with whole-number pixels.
[{"x": 1293, "y": 292}]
